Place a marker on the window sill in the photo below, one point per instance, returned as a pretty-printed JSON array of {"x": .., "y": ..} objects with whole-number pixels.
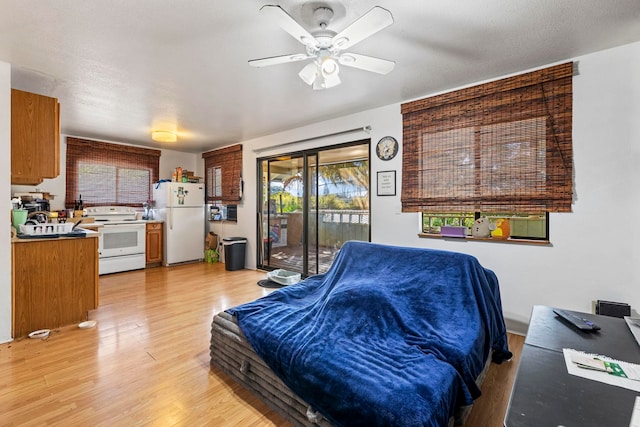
[{"x": 488, "y": 239}]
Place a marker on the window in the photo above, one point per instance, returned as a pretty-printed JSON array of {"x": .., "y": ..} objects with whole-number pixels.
[
  {"x": 109, "y": 174},
  {"x": 214, "y": 176},
  {"x": 223, "y": 174},
  {"x": 521, "y": 226},
  {"x": 503, "y": 146},
  {"x": 433, "y": 221}
]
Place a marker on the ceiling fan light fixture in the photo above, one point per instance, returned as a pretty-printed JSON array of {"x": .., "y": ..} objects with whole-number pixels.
[
  {"x": 322, "y": 82},
  {"x": 309, "y": 73},
  {"x": 321, "y": 74},
  {"x": 318, "y": 84},
  {"x": 164, "y": 136},
  {"x": 325, "y": 46},
  {"x": 329, "y": 67},
  {"x": 331, "y": 81}
]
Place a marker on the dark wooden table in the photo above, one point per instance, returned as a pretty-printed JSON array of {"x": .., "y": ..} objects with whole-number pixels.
[{"x": 545, "y": 394}]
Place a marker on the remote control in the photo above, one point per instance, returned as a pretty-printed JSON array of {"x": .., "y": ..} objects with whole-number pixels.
[{"x": 577, "y": 321}]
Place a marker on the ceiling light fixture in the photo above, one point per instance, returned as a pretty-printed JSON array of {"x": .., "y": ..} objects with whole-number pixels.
[
  {"x": 325, "y": 47},
  {"x": 322, "y": 73},
  {"x": 329, "y": 67},
  {"x": 164, "y": 136}
]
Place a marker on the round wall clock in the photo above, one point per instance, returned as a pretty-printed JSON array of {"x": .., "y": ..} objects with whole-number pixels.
[{"x": 387, "y": 148}]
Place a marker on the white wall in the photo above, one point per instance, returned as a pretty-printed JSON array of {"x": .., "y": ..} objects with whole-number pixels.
[
  {"x": 5, "y": 188},
  {"x": 595, "y": 249}
]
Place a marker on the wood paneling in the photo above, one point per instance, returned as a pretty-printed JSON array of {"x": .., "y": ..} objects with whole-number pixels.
[{"x": 147, "y": 360}]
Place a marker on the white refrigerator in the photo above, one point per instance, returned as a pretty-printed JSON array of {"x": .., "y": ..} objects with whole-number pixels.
[{"x": 181, "y": 206}]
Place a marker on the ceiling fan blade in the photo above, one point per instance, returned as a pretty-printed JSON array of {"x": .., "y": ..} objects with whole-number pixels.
[
  {"x": 367, "y": 63},
  {"x": 287, "y": 23},
  {"x": 369, "y": 23},
  {"x": 274, "y": 60}
]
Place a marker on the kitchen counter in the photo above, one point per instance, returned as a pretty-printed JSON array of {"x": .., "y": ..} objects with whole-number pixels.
[
  {"x": 88, "y": 234},
  {"x": 54, "y": 281},
  {"x": 91, "y": 229},
  {"x": 137, "y": 221}
]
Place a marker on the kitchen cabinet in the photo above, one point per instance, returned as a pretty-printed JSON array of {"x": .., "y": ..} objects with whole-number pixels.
[
  {"x": 35, "y": 138},
  {"x": 54, "y": 282},
  {"x": 154, "y": 243}
]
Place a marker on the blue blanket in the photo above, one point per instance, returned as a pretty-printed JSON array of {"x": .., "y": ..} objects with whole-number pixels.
[{"x": 389, "y": 336}]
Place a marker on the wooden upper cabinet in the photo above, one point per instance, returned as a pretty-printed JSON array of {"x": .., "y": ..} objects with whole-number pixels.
[{"x": 35, "y": 138}]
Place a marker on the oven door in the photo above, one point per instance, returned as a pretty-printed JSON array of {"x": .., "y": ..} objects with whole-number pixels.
[{"x": 121, "y": 239}]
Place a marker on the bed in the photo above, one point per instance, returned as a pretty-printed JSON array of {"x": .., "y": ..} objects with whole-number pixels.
[{"x": 389, "y": 336}]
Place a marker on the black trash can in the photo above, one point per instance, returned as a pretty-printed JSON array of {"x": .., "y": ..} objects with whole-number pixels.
[{"x": 234, "y": 251}]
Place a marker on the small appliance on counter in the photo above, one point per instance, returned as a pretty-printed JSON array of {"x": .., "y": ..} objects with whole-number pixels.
[
  {"x": 223, "y": 213},
  {"x": 36, "y": 205},
  {"x": 32, "y": 202}
]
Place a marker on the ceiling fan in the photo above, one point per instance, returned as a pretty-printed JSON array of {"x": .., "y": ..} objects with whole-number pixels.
[{"x": 326, "y": 47}]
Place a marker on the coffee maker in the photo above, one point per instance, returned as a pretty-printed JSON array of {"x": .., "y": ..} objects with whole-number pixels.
[{"x": 36, "y": 205}]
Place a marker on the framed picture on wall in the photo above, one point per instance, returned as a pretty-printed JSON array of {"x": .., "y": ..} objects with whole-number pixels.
[{"x": 387, "y": 183}]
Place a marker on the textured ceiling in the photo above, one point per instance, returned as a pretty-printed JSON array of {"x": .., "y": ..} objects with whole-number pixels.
[{"x": 122, "y": 68}]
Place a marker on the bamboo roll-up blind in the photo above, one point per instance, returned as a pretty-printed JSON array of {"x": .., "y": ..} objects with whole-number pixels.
[
  {"x": 109, "y": 174},
  {"x": 503, "y": 146},
  {"x": 229, "y": 162}
]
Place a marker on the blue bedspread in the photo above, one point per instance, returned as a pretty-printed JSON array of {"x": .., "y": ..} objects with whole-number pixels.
[{"x": 389, "y": 336}]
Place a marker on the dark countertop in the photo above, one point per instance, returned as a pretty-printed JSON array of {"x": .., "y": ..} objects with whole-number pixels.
[{"x": 88, "y": 233}]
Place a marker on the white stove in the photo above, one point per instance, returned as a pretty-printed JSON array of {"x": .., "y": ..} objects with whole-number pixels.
[{"x": 122, "y": 238}]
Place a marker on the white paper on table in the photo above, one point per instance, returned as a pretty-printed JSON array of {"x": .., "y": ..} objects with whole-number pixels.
[
  {"x": 635, "y": 417},
  {"x": 632, "y": 370}
]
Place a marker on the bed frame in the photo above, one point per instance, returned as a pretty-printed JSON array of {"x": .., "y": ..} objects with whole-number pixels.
[{"x": 232, "y": 353}]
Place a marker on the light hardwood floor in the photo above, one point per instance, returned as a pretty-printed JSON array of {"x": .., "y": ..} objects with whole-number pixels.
[{"x": 147, "y": 360}]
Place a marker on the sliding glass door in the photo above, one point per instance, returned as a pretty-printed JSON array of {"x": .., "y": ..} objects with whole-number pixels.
[{"x": 310, "y": 203}]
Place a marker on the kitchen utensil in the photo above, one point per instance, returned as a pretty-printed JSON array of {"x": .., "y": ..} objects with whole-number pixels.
[{"x": 79, "y": 204}]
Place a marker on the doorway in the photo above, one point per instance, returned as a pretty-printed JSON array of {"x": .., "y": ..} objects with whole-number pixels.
[{"x": 310, "y": 204}]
